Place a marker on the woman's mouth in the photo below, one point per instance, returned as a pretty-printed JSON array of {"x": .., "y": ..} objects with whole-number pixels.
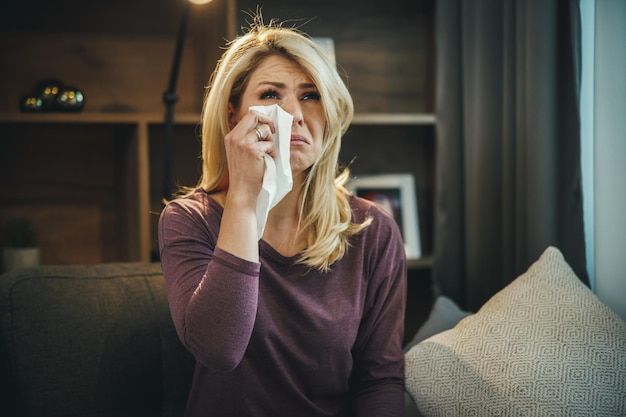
[{"x": 299, "y": 140}]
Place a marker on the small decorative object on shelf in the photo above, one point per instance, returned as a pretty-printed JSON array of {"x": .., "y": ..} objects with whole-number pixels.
[
  {"x": 394, "y": 193},
  {"x": 20, "y": 250},
  {"x": 50, "y": 95}
]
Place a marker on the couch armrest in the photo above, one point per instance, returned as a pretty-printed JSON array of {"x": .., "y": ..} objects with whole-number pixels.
[{"x": 90, "y": 340}]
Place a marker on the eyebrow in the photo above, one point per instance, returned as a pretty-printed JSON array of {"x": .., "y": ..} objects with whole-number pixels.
[{"x": 282, "y": 85}]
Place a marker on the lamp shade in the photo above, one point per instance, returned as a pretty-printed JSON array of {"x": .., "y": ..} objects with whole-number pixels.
[{"x": 200, "y": 1}]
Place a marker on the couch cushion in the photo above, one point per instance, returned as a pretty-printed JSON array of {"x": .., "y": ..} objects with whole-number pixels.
[
  {"x": 90, "y": 340},
  {"x": 543, "y": 346}
]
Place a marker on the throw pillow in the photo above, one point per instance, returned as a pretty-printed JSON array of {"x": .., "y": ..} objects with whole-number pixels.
[
  {"x": 545, "y": 345},
  {"x": 444, "y": 315}
]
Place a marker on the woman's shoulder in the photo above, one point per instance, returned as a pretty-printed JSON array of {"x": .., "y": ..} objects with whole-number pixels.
[
  {"x": 363, "y": 209},
  {"x": 195, "y": 214},
  {"x": 382, "y": 237},
  {"x": 196, "y": 203}
]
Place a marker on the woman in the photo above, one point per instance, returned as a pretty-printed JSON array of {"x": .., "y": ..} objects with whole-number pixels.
[{"x": 307, "y": 321}]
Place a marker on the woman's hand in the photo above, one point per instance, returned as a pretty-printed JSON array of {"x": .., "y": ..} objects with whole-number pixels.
[{"x": 246, "y": 145}]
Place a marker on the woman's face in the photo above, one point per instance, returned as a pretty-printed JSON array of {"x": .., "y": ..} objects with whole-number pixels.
[{"x": 278, "y": 80}]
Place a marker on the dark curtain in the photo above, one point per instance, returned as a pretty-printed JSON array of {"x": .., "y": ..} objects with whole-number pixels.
[{"x": 508, "y": 142}]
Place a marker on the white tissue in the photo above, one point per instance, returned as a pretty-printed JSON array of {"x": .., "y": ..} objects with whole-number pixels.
[{"x": 277, "y": 180}]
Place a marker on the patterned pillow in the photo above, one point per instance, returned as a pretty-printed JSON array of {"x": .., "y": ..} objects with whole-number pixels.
[{"x": 543, "y": 346}]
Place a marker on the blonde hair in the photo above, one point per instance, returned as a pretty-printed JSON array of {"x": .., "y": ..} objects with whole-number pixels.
[{"x": 326, "y": 216}]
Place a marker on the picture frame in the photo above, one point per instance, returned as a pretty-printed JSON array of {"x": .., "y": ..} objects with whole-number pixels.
[
  {"x": 328, "y": 45},
  {"x": 394, "y": 193}
]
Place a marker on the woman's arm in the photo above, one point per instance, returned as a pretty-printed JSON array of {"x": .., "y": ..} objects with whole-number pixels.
[
  {"x": 245, "y": 154},
  {"x": 212, "y": 293},
  {"x": 212, "y": 280},
  {"x": 378, "y": 374}
]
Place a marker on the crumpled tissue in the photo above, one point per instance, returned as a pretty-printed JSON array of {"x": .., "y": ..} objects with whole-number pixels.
[{"x": 277, "y": 180}]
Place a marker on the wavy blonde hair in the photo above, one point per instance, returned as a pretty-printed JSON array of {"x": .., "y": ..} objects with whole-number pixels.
[{"x": 326, "y": 216}]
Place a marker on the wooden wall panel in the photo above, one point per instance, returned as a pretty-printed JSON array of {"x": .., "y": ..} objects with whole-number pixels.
[
  {"x": 118, "y": 52},
  {"x": 386, "y": 49},
  {"x": 66, "y": 178},
  {"x": 116, "y": 74},
  {"x": 67, "y": 233}
]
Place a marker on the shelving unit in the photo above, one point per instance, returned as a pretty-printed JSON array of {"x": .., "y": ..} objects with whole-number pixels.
[
  {"x": 111, "y": 177},
  {"x": 93, "y": 178},
  {"x": 386, "y": 119},
  {"x": 91, "y": 181},
  {"x": 397, "y": 144}
]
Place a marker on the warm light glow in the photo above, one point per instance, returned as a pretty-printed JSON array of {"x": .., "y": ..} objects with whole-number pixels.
[{"x": 199, "y": 1}]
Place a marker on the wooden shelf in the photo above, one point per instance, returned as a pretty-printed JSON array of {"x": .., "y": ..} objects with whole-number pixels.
[
  {"x": 95, "y": 117},
  {"x": 424, "y": 262},
  {"x": 126, "y": 136},
  {"x": 141, "y": 168},
  {"x": 394, "y": 119},
  {"x": 190, "y": 118}
]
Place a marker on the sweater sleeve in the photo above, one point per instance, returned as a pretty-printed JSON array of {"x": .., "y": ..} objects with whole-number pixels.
[
  {"x": 378, "y": 373},
  {"x": 212, "y": 294}
]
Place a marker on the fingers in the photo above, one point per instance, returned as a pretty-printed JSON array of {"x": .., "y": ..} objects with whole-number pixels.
[
  {"x": 259, "y": 134},
  {"x": 263, "y": 130},
  {"x": 262, "y": 136},
  {"x": 259, "y": 126},
  {"x": 260, "y": 139},
  {"x": 246, "y": 144},
  {"x": 266, "y": 147}
]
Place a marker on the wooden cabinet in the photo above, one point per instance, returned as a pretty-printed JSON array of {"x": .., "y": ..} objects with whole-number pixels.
[
  {"x": 92, "y": 181},
  {"x": 89, "y": 182}
]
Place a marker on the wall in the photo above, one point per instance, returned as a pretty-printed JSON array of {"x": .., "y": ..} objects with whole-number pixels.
[{"x": 118, "y": 52}]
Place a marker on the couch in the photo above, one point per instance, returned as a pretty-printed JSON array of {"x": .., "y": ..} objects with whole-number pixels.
[
  {"x": 90, "y": 341},
  {"x": 99, "y": 341}
]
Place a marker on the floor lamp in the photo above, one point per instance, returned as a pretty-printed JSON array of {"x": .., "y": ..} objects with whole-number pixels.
[{"x": 170, "y": 98}]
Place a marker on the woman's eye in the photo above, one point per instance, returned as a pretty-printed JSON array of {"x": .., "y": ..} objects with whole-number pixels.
[
  {"x": 269, "y": 94},
  {"x": 311, "y": 95}
]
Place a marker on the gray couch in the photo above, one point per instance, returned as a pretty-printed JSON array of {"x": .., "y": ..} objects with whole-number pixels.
[{"x": 90, "y": 341}]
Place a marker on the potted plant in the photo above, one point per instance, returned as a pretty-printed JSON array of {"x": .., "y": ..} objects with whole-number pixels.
[{"x": 20, "y": 250}]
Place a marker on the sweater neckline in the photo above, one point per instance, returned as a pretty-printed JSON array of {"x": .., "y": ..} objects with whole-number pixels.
[{"x": 266, "y": 250}]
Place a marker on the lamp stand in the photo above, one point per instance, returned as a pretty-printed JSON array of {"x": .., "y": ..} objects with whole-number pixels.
[{"x": 169, "y": 99}]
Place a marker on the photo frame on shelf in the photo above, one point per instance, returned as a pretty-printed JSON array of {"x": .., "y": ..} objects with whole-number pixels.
[
  {"x": 395, "y": 193},
  {"x": 328, "y": 45}
]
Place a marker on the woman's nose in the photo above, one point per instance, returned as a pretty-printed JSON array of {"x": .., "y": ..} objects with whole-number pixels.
[{"x": 293, "y": 107}]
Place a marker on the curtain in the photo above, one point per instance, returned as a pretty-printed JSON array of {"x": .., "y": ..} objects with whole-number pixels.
[{"x": 508, "y": 142}]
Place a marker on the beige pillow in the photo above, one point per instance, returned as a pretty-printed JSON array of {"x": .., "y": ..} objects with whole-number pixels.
[{"x": 542, "y": 346}]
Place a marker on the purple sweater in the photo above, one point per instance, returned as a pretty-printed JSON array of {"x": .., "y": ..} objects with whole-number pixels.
[{"x": 277, "y": 339}]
